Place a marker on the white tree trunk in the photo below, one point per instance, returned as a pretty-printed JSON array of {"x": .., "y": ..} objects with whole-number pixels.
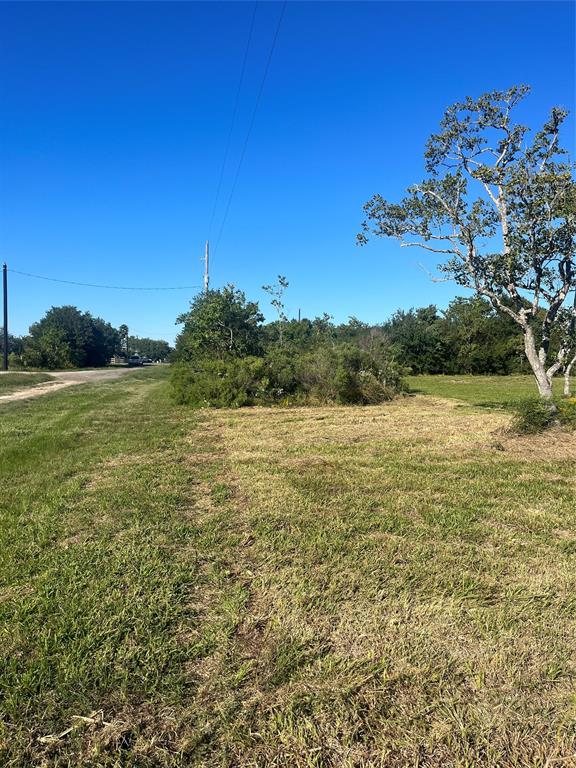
[
  {"x": 539, "y": 369},
  {"x": 567, "y": 372}
]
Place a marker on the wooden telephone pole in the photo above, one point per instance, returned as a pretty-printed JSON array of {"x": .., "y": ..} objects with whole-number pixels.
[
  {"x": 5, "y": 289},
  {"x": 206, "y": 267}
]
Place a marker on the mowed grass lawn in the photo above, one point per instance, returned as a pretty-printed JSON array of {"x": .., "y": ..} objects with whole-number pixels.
[
  {"x": 12, "y": 382},
  {"x": 351, "y": 587},
  {"x": 485, "y": 391}
]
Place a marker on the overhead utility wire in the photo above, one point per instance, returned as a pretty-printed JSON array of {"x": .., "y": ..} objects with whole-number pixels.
[
  {"x": 233, "y": 121},
  {"x": 250, "y": 127},
  {"x": 109, "y": 287}
]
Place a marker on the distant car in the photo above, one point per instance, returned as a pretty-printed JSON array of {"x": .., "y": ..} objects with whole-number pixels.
[
  {"x": 146, "y": 360},
  {"x": 134, "y": 360}
]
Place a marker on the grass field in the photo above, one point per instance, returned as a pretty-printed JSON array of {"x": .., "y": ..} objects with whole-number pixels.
[
  {"x": 346, "y": 587},
  {"x": 485, "y": 391},
  {"x": 11, "y": 382}
]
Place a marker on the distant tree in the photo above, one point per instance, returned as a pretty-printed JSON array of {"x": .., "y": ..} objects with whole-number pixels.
[
  {"x": 220, "y": 324},
  {"x": 323, "y": 330},
  {"x": 512, "y": 242},
  {"x": 123, "y": 335},
  {"x": 276, "y": 291},
  {"x": 416, "y": 340},
  {"x": 68, "y": 338},
  {"x": 103, "y": 342},
  {"x": 478, "y": 339},
  {"x": 155, "y": 349},
  {"x": 15, "y": 343}
]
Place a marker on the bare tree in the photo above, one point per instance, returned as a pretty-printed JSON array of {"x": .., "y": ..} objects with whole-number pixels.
[
  {"x": 502, "y": 212},
  {"x": 276, "y": 291}
]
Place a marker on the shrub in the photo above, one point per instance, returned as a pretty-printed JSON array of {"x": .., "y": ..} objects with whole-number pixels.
[
  {"x": 218, "y": 383},
  {"x": 534, "y": 415},
  {"x": 341, "y": 374},
  {"x": 567, "y": 412},
  {"x": 348, "y": 374}
]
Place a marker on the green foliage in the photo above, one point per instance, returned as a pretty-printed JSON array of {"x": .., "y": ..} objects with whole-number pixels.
[
  {"x": 469, "y": 337},
  {"x": 567, "y": 412},
  {"x": 347, "y": 374},
  {"x": 68, "y": 338},
  {"x": 416, "y": 339},
  {"x": 220, "y": 324},
  {"x": 15, "y": 344},
  {"x": 219, "y": 383},
  {"x": 155, "y": 349},
  {"x": 487, "y": 181},
  {"x": 534, "y": 415},
  {"x": 342, "y": 374}
]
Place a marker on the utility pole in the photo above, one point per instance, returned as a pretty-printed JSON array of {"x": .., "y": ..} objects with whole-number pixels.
[
  {"x": 206, "y": 267},
  {"x": 5, "y": 287}
]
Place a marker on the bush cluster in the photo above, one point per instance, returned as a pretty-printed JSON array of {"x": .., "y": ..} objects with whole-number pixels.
[
  {"x": 535, "y": 415},
  {"x": 340, "y": 374}
]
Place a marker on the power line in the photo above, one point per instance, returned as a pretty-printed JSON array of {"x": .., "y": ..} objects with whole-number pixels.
[
  {"x": 233, "y": 120},
  {"x": 108, "y": 287},
  {"x": 250, "y": 127}
]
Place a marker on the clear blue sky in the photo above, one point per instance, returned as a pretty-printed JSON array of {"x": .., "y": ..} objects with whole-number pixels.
[{"x": 114, "y": 119}]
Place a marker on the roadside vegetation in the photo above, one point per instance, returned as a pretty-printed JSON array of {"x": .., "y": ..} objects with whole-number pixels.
[
  {"x": 12, "y": 382},
  {"x": 346, "y": 586},
  {"x": 226, "y": 357}
]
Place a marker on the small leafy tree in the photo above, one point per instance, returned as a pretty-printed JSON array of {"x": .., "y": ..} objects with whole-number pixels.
[
  {"x": 276, "y": 291},
  {"x": 219, "y": 324},
  {"x": 501, "y": 210}
]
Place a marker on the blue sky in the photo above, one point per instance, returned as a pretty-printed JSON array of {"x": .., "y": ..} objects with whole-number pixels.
[{"x": 114, "y": 119}]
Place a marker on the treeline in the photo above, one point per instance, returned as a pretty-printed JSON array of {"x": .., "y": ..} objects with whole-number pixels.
[
  {"x": 68, "y": 338},
  {"x": 469, "y": 337}
]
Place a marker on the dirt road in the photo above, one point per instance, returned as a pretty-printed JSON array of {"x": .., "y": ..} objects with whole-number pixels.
[{"x": 64, "y": 379}]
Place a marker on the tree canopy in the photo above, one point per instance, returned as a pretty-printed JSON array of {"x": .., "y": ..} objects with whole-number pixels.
[
  {"x": 501, "y": 210},
  {"x": 220, "y": 323},
  {"x": 68, "y": 338}
]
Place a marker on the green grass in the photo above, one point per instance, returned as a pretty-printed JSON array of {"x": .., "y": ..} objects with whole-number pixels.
[
  {"x": 351, "y": 587},
  {"x": 11, "y": 382},
  {"x": 486, "y": 391}
]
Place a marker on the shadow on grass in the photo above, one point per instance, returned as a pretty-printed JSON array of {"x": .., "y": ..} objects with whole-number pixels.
[{"x": 498, "y": 405}]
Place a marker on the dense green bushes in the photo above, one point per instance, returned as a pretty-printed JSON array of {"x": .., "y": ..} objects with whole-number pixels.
[
  {"x": 342, "y": 374},
  {"x": 536, "y": 415},
  {"x": 226, "y": 357}
]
